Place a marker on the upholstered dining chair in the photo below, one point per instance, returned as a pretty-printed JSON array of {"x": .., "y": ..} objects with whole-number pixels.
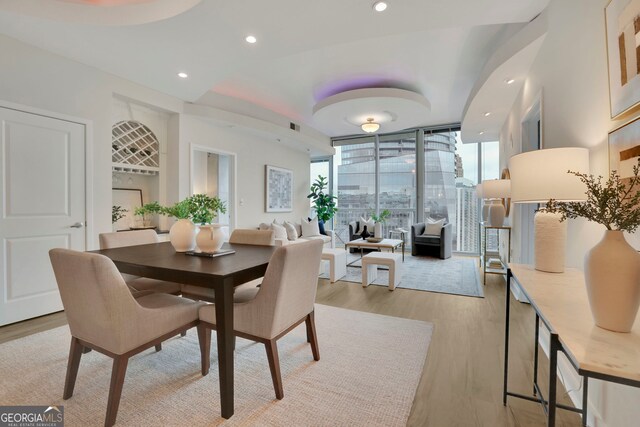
[
  {"x": 284, "y": 300},
  {"x": 138, "y": 285},
  {"x": 104, "y": 316},
  {"x": 248, "y": 290}
]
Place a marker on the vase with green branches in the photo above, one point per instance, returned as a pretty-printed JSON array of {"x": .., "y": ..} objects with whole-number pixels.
[
  {"x": 612, "y": 267},
  {"x": 204, "y": 209},
  {"x": 324, "y": 204},
  {"x": 380, "y": 220}
]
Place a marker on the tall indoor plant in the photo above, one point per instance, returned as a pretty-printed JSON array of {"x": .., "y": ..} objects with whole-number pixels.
[
  {"x": 324, "y": 204},
  {"x": 612, "y": 267}
]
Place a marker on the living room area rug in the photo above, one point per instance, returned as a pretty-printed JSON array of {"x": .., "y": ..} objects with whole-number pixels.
[
  {"x": 456, "y": 275},
  {"x": 368, "y": 372}
]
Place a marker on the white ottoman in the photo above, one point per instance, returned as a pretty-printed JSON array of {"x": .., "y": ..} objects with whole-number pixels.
[
  {"x": 337, "y": 263},
  {"x": 371, "y": 261}
]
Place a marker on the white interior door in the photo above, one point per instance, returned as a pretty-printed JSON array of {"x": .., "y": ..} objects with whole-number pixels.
[{"x": 42, "y": 206}]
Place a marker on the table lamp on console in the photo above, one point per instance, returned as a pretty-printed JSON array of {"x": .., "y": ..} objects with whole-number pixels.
[
  {"x": 495, "y": 192},
  {"x": 541, "y": 175}
]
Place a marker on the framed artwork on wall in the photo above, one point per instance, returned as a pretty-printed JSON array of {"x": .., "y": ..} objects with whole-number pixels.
[
  {"x": 278, "y": 189},
  {"x": 622, "y": 18},
  {"x": 624, "y": 151},
  {"x": 129, "y": 199}
]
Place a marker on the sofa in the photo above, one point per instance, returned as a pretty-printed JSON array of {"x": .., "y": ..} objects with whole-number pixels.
[
  {"x": 439, "y": 246},
  {"x": 328, "y": 239}
]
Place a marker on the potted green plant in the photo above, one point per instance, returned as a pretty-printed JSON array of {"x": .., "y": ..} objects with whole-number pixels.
[
  {"x": 612, "y": 267},
  {"x": 324, "y": 204},
  {"x": 204, "y": 209},
  {"x": 380, "y": 220}
]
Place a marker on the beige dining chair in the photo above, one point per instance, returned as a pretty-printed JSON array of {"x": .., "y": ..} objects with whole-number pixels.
[
  {"x": 284, "y": 300},
  {"x": 138, "y": 285},
  {"x": 104, "y": 316},
  {"x": 247, "y": 290}
]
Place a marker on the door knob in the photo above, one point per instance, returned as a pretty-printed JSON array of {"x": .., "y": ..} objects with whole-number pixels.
[{"x": 77, "y": 225}]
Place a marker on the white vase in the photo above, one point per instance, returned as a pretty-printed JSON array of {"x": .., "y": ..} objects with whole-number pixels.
[
  {"x": 378, "y": 230},
  {"x": 612, "y": 275},
  {"x": 210, "y": 238},
  {"x": 182, "y": 235}
]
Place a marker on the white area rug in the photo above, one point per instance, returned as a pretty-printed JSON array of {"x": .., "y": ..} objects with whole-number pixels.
[
  {"x": 456, "y": 275},
  {"x": 367, "y": 375}
]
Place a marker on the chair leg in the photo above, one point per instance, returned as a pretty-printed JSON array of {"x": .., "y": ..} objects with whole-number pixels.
[
  {"x": 115, "y": 391},
  {"x": 183, "y": 333},
  {"x": 86, "y": 350},
  {"x": 204, "y": 338},
  {"x": 158, "y": 347},
  {"x": 311, "y": 335},
  {"x": 274, "y": 366},
  {"x": 309, "y": 331},
  {"x": 75, "y": 353}
]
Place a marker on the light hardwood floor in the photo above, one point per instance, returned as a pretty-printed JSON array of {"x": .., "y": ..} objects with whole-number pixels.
[{"x": 461, "y": 383}]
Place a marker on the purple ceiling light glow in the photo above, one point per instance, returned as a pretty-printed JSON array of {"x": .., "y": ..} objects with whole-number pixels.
[{"x": 356, "y": 82}]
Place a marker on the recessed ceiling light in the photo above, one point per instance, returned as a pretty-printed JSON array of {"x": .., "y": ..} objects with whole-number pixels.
[
  {"x": 481, "y": 133},
  {"x": 183, "y": 75},
  {"x": 251, "y": 39},
  {"x": 509, "y": 81},
  {"x": 487, "y": 114},
  {"x": 380, "y": 6}
]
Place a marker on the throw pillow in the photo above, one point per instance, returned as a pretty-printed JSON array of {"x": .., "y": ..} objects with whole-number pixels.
[
  {"x": 433, "y": 227},
  {"x": 370, "y": 223},
  {"x": 292, "y": 233},
  {"x": 320, "y": 226},
  {"x": 264, "y": 226},
  {"x": 279, "y": 230},
  {"x": 310, "y": 228}
]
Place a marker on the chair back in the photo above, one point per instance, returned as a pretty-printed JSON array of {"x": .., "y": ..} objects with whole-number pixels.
[
  {"x": 288, "y": 290},
  {"x": 99, "y": 307},
  {"x": 127, "y": 238},
  {"x": 244, "y": 236}
]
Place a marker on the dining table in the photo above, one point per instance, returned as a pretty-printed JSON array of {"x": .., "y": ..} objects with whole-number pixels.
[{"x": 221, "y": 273}]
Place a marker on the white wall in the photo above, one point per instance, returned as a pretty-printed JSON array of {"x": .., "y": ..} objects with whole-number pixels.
[
  {"x": 253, "y": 153},
  {"x": 36, "y": 78},
  {"x": 571, "y": 74}
]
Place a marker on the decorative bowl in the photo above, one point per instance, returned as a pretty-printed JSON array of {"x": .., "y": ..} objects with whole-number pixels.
[{"x": 374, "y": 239}]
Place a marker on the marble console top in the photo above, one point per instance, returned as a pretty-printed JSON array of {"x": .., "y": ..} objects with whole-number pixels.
[{"x": 561, "y": 300}]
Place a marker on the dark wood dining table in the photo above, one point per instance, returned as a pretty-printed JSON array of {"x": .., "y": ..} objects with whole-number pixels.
[{"x": 222, "y": 274}]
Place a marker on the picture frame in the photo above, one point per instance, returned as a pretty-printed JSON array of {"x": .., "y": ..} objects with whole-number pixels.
[
  {"x": 623, "y": 57},
  {"x": 129, "y": 199},
  {"x": 624, "y": 151},
  {"x": 278, "y": 189}
]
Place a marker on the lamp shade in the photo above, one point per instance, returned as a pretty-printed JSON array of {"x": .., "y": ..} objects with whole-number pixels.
[
  {"x": 496, "y": 188},
  {"x": 537, "y": 176}
]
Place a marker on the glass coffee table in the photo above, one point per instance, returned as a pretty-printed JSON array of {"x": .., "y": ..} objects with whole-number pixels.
[{"x": 392, "y": 244}]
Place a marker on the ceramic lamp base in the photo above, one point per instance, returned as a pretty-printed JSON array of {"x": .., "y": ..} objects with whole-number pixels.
[
  {"x": 496, "y": 213},
  {"x": 550, "y": 240}
]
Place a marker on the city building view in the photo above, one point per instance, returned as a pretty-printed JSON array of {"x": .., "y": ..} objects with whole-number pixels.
[{"x": 448, "y": 193}]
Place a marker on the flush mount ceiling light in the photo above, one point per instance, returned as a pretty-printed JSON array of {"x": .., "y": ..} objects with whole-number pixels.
[
  {"x": 380, "y": 6},
  {"x": 487, "y": 114},
  {"x": 251, "y": 39},
  {"x": 183, "y": 75},
  {"x": 481, "y": 133},
  {"x": 509, "y": 81},
  {"x": 370, "y": 126}
]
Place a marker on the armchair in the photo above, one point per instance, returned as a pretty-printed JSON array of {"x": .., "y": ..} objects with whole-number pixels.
[{"x": 423, "y": 245}]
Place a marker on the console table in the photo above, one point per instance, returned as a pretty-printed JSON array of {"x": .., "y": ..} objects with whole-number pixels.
[
  {"x": 560, "y": 302},
  {"x": 484, "y": 258}
]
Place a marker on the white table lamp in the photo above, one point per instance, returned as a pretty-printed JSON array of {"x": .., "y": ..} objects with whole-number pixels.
[
  {"x": 495, "y": 190},
  {"x": 536, "y": 177}
]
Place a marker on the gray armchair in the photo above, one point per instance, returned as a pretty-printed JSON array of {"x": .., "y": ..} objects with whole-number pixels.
[{"x": 427, "y": 245}]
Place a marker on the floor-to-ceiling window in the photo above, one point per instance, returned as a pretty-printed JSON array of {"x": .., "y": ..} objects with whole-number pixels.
[
  {"x": 398, "y": 185},
  {"x": 379, "y": 172}
]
